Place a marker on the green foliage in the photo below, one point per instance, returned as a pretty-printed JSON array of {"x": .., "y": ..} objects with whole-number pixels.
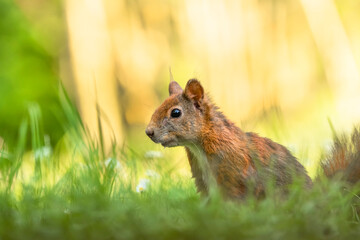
[
  {"x": 88, "y": 197},
  {"x": 27, "y": 74}
]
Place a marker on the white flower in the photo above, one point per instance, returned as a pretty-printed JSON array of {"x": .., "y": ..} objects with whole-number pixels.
[
  {"x": 111, "y": 160},
  {"x": 143, "y": 185},
  {"x": 152, "y": 174},
  {"x": 43, "y": 152},
  {"x": 154, "y": 154}
]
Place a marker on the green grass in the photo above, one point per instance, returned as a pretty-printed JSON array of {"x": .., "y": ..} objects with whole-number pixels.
[{"x": 70, "y": 193}]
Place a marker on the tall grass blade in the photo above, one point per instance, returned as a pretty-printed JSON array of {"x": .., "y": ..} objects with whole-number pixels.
[
  {"x": 36, "y": 133},
  {"x": 18, "y": 157}
]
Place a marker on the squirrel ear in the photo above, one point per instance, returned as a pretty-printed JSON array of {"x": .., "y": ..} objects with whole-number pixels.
[
  {"x": 194, "y": 91},
  {"x": 174, "y": 88}
]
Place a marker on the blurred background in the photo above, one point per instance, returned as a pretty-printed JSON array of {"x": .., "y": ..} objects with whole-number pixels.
[{"x": 282, "y": 68}]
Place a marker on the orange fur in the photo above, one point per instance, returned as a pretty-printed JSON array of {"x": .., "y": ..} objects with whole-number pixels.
[{"x": 344, "y": 159}]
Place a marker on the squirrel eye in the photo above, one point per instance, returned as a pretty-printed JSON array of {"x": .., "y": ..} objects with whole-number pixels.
[{"x": 175, "y": 113}]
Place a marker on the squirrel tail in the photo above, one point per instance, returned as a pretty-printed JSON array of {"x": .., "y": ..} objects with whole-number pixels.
[{"x": 344, "y": 159}]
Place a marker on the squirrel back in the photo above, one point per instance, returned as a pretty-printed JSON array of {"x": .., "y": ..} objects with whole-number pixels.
[{"x": 220, "y": 154}]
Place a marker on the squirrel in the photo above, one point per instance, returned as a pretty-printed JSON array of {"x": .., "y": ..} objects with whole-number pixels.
[{"x": 221, "y": 155}]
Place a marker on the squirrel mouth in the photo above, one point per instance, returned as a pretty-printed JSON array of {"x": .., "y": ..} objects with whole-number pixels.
[{"x": 169, "y": 144}]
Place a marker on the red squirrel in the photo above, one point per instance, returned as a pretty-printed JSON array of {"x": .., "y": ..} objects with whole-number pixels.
[{"x": 220, "y": 154}]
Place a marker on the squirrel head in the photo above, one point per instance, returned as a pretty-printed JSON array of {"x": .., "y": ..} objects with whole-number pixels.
[{"x": 178, "y": 120}]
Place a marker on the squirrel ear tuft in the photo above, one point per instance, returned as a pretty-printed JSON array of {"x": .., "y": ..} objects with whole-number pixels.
[
  {"x": 194, "y": 91},
  {"x": 174, "y": 88}
]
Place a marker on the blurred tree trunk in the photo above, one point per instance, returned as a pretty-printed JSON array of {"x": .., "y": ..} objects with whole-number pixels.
[
  {"x": 337, "y": 55},
  {"x": 93, "y": 66}
]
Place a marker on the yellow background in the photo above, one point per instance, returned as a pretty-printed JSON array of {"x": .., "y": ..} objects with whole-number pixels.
[{"x": 280, "y": 68}]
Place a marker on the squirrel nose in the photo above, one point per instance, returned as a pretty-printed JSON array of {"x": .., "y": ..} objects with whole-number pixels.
[{"x": 149, "y": 132}]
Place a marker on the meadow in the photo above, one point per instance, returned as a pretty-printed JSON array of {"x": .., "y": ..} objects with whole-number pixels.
[
  {"x": 77, "y": 190},
  {"x": 76, "y": 163}
]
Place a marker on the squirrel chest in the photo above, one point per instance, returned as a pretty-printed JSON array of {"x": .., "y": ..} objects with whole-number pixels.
[
  {"x": 201, "y": 168},
  {"x": 225, "y": 170}
]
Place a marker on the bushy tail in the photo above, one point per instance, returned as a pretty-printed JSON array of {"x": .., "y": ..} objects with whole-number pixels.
[{"x": 344, "y": 158}]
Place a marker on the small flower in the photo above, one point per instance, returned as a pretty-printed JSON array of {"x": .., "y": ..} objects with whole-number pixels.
[
  {"x": 152, "y": 174},
  {"x": 114, "y": 161},
  {"x": 43, "y": 152},
  {"x": 143, "y": 185},
  {"x": 154, "y": 154}
]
